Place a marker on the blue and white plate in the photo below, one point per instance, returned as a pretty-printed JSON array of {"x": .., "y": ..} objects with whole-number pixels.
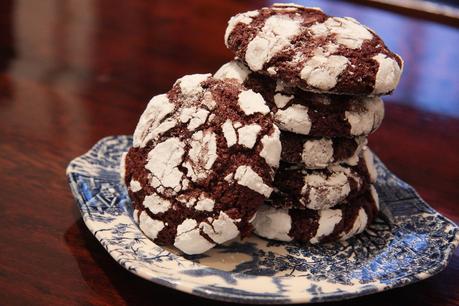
[{"x": 410, "y": 243}]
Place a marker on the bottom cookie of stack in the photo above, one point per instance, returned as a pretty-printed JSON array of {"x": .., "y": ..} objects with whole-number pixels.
[{"x": 305, "y": 225}]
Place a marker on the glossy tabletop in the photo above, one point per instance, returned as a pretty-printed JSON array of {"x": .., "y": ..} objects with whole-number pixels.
[{"x": 74, "y": 71}]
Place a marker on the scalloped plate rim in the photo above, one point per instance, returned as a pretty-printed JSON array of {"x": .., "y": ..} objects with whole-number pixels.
[{"x": 258, "y": 298}]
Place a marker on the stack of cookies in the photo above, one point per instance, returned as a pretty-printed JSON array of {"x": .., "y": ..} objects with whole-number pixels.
[
  {"x": 275, "y": 141},
  {"x": 321, "y": 77}
]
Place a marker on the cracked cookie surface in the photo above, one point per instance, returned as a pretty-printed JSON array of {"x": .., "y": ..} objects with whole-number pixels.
[
  {"x": 306, "y": 48},
  {"x": 202, "y": 163}
]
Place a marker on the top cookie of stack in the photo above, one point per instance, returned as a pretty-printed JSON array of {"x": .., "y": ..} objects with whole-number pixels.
[
  {"x": 305, "y": 48},
  {"x": 321, "y": 77}
]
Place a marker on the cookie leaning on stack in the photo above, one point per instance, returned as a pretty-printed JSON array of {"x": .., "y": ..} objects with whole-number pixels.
[
  {"x": 202, "y": 162},
  {"x": 321, "y": 77}
]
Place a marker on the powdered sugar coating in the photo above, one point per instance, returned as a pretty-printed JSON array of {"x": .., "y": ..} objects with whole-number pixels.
[
  {"x": 190, "y": 85},
  {"x": 245, "y": 176},
  {"x": 272, "y": 148},
  {"x": 324, "y": 191},
  {"x": 245, "y": 18},
  {"x": 233, "y": 70},
  {"x": 347, "y": 31},
  {"x": 202, "y": 155},
  {"x": 306, "y": 48},
  {"x": 189, "y": 239},
  {"x": 251, "y": 103},
  {"x": 273, "y": 223},
  {"x": 294, "y": 118},
  {"x": 317, "y": 153},
  {"x": 322, "y": 72},
  {"x": 222, "y": 229},
  {"x": 388, "y": 74},
  {"x": 248, "y": 135},
  {"x": 206, "y": 165},
  {"x": 135, "y": 186},
  {"x": 230, "y": 133},
  {"x": 152, "y": 118},
  {"x": 328, "y": 219},
  {"x": 150, "y": 227},
  {"x": 274, "y": 36},
  {"x": 281, "y": 100},
  {"x": 163, "y": 162},
  {"x": 156, "y": 204},
  {"x": 365, "y": 121}
]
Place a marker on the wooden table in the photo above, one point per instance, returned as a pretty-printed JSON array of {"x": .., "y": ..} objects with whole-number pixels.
[{"x": 72, "y": 72}]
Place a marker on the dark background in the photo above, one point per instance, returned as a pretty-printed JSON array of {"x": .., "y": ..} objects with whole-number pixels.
[{"x": 74, "y": 71}]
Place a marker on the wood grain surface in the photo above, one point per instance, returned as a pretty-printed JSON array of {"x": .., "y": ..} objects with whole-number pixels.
[{"x": 74, "y": 71}]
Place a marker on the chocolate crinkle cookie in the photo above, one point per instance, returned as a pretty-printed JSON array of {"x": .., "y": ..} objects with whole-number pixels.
[
  {"x": 306, "y": 48},
  {"x": 308, "y": 113},
  {"x": 314, "y": 226},
  {"x": 203, "y": 160}
]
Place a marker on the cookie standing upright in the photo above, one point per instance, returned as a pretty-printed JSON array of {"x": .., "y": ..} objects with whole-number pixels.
[
  {"x": 202, "y": 163},
  {"x": 306, "y": 48}
]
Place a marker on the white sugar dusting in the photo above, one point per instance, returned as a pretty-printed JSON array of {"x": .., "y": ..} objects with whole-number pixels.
[
  {"x": 365, "y": 121},
  {"x": 273, "y": 223},
  {"x": 202, "y": 155},
  {"x": 325, "y": 191},
  {"x": 189, "y": 240},
  {"x": 135, "y": 186},
  {"x": 388, "y": 74},
  {"x": 233, "y": 70},
  {"x": 229, "y": 133},
  {"x": 190, "y": 85},
  {"x": 221, "y": 229},
  {"x": 348, "y": 32},
  {"x": 157, "y": 109},
  {"x": 317, "y": 153},
  {"x": 294, "y": 119},
  {"x": 163, "y": 162},
  {"x": 245, "y": 176},
  {"x": 150, "y": 227},
  {"x": 204, "y": 204},
  {"x": 322, "y": 72},
  {"x": 248, "y": 135},
  {"x": 251, "y": 102},
  {"x": 275, "y": 35},
  {"x": 328, "y": 218},
  {"x": 272, "y": 148},
  {"x": 245, "y": 18},
  {"x": 281, "y": 100},
  {"x": 156, "y": 204}
]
